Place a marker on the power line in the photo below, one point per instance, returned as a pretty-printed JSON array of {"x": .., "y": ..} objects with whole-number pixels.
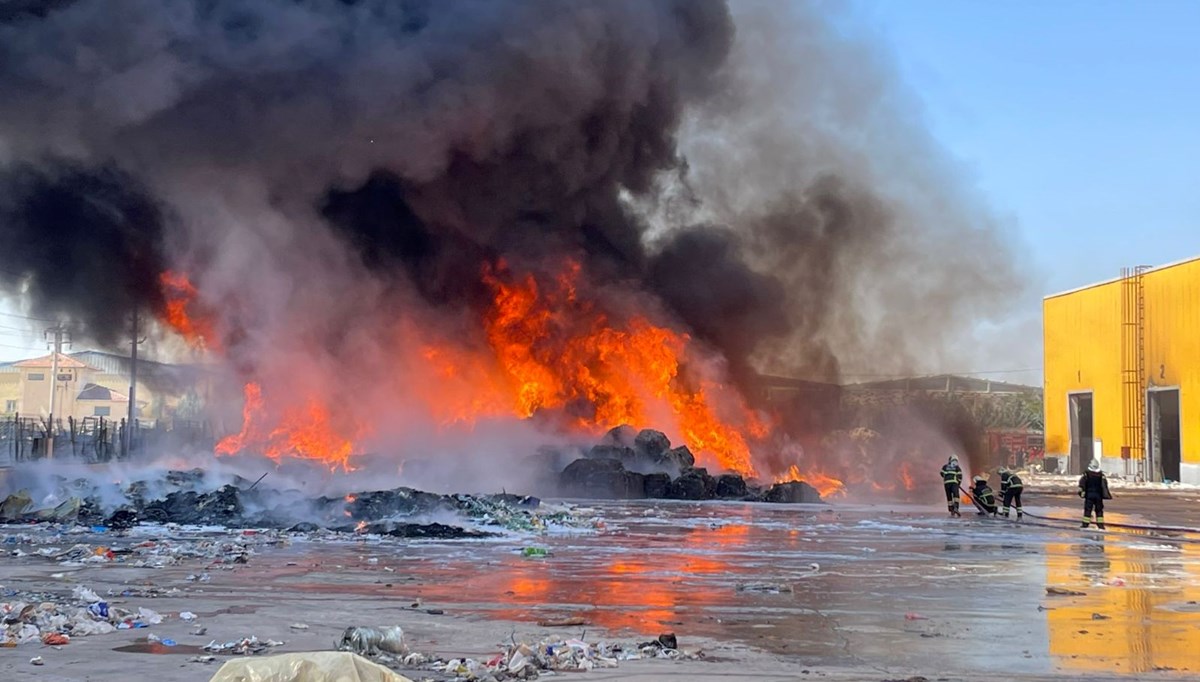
[{"x": 26, "y": 317}]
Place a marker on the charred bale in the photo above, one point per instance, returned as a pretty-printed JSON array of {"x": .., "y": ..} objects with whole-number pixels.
[
  {"x": 680, "y": 457},
  {"x": 623, "y": 436},
  {"x": 656, "y": 485},
  {"x": 651, "y": 444},
  {"x": 693, "y": 484},
  {"x": 620, "y": 453},
  {"x": 601, "y": 479},
  {"x": 731, "y": 486},
  {"x": 792, "y": 492}
]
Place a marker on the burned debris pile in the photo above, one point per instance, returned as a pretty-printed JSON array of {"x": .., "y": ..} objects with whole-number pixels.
[
  {"x": 629, "y": 465},
  {"x": 191, "y": 498},
  {"x": 625, "y": 465}
]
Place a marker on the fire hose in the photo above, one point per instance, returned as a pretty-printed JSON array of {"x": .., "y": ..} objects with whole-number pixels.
[
  {"x": 1059, "y": 522},
  {"x": 1055, "y": 522}
]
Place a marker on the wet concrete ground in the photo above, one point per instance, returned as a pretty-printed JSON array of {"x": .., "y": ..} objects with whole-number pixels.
[
  {"x": 865, "y": 588},
  {"x": 838, "y": 585}
]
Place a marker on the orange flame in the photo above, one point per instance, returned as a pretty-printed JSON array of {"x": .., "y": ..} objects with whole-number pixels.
[
  {"x": 559, "y": 351},
  {"x": 546, "y": 352},
  {"x": 184, "y": 313},
  {"x": 828, "y": 486},
  {"x": 305, "y": 431}
]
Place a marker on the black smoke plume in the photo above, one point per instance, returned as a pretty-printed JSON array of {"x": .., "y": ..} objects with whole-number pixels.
[
  {"x": 85, "y": 245},
  {"x": 752, "y": 170}
]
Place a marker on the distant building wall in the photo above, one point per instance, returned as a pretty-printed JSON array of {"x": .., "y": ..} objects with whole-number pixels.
[{"x": 1083, "y": 336}]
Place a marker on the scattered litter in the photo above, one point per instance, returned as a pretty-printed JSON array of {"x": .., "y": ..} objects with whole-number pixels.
[
  {"x": 366, "y": 640},
  {"x": 56, "y": 619},
  {"x": 535, "y": 552},
  {"x": 298, "y": 626},
  {"x": 1100, "y": 616},
  {"x": 242, "y": 647},
  {"x": 524, "y": 661},
  {"x": 914, "y": 616},
  {"x": 187, "y": 616},
  {"x": 202, "y": 659},
  {"x": 1063, "y": 592},
  {"x": 169, "y": 642},
  {"x": 37, "y": 660},
  {"x": 83, "y": 594},
  {"x": 1116, "y": 582}
]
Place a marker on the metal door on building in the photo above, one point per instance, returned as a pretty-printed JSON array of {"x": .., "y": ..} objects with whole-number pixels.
[
  {"x": 1164, "y": 453},
  {"x": 1083, "y": 437}
]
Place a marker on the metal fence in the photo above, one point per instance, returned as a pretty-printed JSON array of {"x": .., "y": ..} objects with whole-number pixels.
[{"x": 96, "y": 439}]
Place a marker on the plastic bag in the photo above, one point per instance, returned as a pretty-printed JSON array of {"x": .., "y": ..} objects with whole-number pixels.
[{"x": 317, "y": 666}]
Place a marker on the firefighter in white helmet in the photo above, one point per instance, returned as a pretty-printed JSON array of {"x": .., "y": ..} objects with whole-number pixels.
[{"x": 951, "y": 480}]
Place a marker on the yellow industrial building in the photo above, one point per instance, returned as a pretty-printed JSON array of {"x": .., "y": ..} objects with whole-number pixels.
[{"x": 1122, "y": 374}]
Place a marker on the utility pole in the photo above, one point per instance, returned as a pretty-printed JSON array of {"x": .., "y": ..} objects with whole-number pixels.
[
  {"x": 131, "y": 420},
  {"x": 56, "y": 347}
]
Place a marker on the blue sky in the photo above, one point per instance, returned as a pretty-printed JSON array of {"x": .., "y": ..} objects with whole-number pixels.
[{"x": 1080, "y": 121}]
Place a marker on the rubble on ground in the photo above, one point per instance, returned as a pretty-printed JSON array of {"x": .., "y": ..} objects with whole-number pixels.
[{"x": 518, "y": 660}]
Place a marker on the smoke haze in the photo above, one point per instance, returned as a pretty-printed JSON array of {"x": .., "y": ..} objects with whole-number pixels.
[{"x": 337, "y": 176}]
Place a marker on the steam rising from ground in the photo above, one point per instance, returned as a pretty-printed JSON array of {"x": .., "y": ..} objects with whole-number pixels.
[{"x": 337, "y": 176}]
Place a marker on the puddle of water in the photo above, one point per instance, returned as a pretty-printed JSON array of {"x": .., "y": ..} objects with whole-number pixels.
[{"x": 144, "y": 647}]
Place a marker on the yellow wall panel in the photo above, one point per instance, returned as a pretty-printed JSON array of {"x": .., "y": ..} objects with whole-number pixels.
[{"x": 1082, "y": 334}]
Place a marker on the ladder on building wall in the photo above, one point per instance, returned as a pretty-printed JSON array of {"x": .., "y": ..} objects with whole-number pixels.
[{"x": 1133, "y": 370}]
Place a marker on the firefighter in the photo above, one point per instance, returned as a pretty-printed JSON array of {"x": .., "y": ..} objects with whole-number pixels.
[
  {"x": 1093, "y": 488},
  {"x": 985, "y": 499},
  {"x": 1010, "y": 491},
  {"x": 951, "y": 480}
]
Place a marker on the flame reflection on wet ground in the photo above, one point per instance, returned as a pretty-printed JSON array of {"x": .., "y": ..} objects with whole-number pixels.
[{"x": 844, "y": 584}]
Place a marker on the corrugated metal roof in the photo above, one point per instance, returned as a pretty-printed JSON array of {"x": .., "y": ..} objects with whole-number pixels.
[{"x": 98, "y": 392}]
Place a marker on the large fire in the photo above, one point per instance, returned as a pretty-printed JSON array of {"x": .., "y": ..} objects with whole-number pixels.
[
  {"x": 547, "y": 348},
  {"x": 560, "y": 351}
]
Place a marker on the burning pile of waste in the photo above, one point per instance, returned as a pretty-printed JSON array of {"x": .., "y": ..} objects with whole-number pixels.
[{"x": 193, "y": 497}]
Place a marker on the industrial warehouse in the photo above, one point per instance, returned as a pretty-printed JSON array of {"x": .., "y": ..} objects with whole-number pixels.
[{"x": 1122, "y": 368}]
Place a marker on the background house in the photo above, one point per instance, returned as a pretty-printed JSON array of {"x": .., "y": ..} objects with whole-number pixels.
[{"x": 96, "y": 384}]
